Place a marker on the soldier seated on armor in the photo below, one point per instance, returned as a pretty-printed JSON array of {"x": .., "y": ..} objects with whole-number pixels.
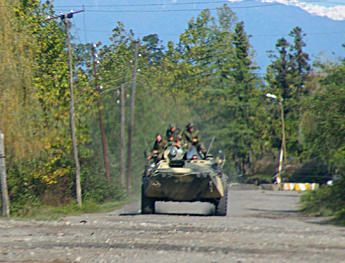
[
  {"x": 192, "y": 137},
  {"x": 158, "y": 148},
  {"x": 172, "y": 132}
]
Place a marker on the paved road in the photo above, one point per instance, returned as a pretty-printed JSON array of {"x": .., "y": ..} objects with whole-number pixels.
[{"x": 262, "y": 226}]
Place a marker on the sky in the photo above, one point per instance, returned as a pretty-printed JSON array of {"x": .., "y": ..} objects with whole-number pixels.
[{"x": 265, "y": 20}]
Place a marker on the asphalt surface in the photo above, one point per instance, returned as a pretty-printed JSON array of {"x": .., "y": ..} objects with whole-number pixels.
[{"x": 262, "y": 226}]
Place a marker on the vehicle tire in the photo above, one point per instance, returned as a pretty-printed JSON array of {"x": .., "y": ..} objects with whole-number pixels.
[
  {"x": 147, "y": 203},
  {"x": 222, "y": 205}
]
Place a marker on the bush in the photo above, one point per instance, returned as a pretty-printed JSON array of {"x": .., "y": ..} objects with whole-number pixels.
[
  {"x": 259, "y": 179},
  {"x": 326, "y": 201},
  {"x": 98, "y": 189},
  {"x": 312, "y": 171},
  {"x": 318, "y": 202}
]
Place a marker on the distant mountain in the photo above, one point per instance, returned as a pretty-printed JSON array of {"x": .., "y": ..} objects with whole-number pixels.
[
  {"x": 324, "y": 37},
  {"x": 331, "y": 9}
]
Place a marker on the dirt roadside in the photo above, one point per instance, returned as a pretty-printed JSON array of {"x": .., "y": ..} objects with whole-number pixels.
[{"x": 262, "y": 226}]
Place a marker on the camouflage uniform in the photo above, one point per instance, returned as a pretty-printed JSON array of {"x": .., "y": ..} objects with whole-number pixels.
[
  {"x": 171, "y": 135},
  {"x": 158, "y": 149},
  {"x": 193, "y": 138}
]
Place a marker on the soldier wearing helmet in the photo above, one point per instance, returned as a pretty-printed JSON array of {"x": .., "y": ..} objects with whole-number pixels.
[
  {"x": 172, "y": 133},
  {"x": 191, "y": 136}
]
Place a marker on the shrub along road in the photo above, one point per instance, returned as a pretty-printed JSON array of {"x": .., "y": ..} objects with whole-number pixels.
[{"x": 262, "y": 226}]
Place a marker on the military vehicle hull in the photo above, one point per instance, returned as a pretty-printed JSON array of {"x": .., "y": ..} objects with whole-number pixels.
[{"x": 192, "y": 180}]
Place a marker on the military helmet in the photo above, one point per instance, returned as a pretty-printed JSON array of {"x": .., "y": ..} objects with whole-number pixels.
[{"x": 190, "y": 125}]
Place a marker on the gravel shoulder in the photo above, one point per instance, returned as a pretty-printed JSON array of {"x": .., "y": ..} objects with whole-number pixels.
[{"x": 262, "y": 226}]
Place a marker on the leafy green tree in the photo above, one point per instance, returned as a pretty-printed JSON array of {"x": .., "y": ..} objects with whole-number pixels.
[
  {"x": 323, "y": 118},
  {"x": 222, "y": 83},
  {"x": 154, "y": 47},
  {"x": 300, "y": 62},
  {"x": 287, "y": 76},
  {"x": 36, "y": 113}
]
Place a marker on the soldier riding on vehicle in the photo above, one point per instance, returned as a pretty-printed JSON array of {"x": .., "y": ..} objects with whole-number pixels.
[
  {"x": 172, "y": 132},
  {"x": 191, "y": 136},
  {"x": 158, "y": 148}
]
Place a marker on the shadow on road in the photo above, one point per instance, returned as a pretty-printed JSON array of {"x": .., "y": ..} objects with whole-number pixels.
[
  {"x": 270, "y": 211},
  {"x": 275, "y": 214},
  {"x": 170, "y": 214}
]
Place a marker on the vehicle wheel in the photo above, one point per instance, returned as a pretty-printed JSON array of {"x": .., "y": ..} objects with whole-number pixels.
[
  {"x": 147, "y": 203},
  {"x": 222, "y": 205}
]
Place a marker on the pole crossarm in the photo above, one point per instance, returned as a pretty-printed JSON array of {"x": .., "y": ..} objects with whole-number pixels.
[{"x": 65, "y": 15}]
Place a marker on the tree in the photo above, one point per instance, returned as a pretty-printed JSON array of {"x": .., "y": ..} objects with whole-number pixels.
[
  {"x": 287, "y": 76},
  {"x": 323, "y": 118},
  {"x": 300, "y": 64},
  {"x": 222, "y": 83}
]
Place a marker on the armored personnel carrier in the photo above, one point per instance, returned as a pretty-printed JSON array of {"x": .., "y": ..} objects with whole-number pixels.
[{"x": 185, "y": 177}]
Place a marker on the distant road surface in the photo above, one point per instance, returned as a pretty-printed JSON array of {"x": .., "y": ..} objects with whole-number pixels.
[{"x": 262, "y": 226}]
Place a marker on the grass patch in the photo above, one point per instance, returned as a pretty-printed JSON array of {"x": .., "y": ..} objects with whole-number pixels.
[{"x": 53, "y": 213}]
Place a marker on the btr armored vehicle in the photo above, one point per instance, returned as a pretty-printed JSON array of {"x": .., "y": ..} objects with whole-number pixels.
[{"x": 185, "y": 178}]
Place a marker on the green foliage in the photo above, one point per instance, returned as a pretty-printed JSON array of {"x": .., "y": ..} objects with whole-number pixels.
[
  {"x": 287, "y": 76},
  {"x": 222, "y": 85},
  {"x": 98, "y": 189},
  {"x": 209, "y": 78},
  {"x": 326, "y": 201},
  {"x": 318, "y": 202},
  {"x": 323, "y": 119},
  {"x": 311, "y": 171},
  {"x": 56, "y": 212}
]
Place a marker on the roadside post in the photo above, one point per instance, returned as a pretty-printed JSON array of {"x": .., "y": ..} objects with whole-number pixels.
[{"x": 5, "y": 203}]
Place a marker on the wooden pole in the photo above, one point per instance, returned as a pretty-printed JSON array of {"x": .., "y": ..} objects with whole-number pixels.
[
  {"x": 131, "y": 121},
  {"x": 100, "y": 114},
  {"x": 5, "y": 201},
  {"x": 72, "y": 122},
  {"x": 122, "y": 124}
]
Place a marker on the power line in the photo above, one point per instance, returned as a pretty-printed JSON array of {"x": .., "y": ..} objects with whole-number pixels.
[
  {"x": 171, "y": 10},
  {"x": 186, "y": 3},
  {"x": 253, "y": 35},
  {"x": 148, "y": 4},
  {"x": 178, "y": 4}
]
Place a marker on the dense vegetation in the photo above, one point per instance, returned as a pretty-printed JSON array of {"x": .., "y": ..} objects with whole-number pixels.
[{"x": 207, "y": 77}]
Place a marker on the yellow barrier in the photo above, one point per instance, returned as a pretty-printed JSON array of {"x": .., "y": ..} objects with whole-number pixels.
[{"x": 299, "y": 186}]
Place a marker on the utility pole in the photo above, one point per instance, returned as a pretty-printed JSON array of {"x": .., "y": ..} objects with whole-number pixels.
[
  {"x": 282, "y": 152},
  {"x": 5, "y": 203},
  {"x": 64, "y": 18},
  {"x": 131, "y": 121},
  {"x": 283, "y": 147},
  {"x": 100, "y": 114},
  {"x": 122, "y": 124}
]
